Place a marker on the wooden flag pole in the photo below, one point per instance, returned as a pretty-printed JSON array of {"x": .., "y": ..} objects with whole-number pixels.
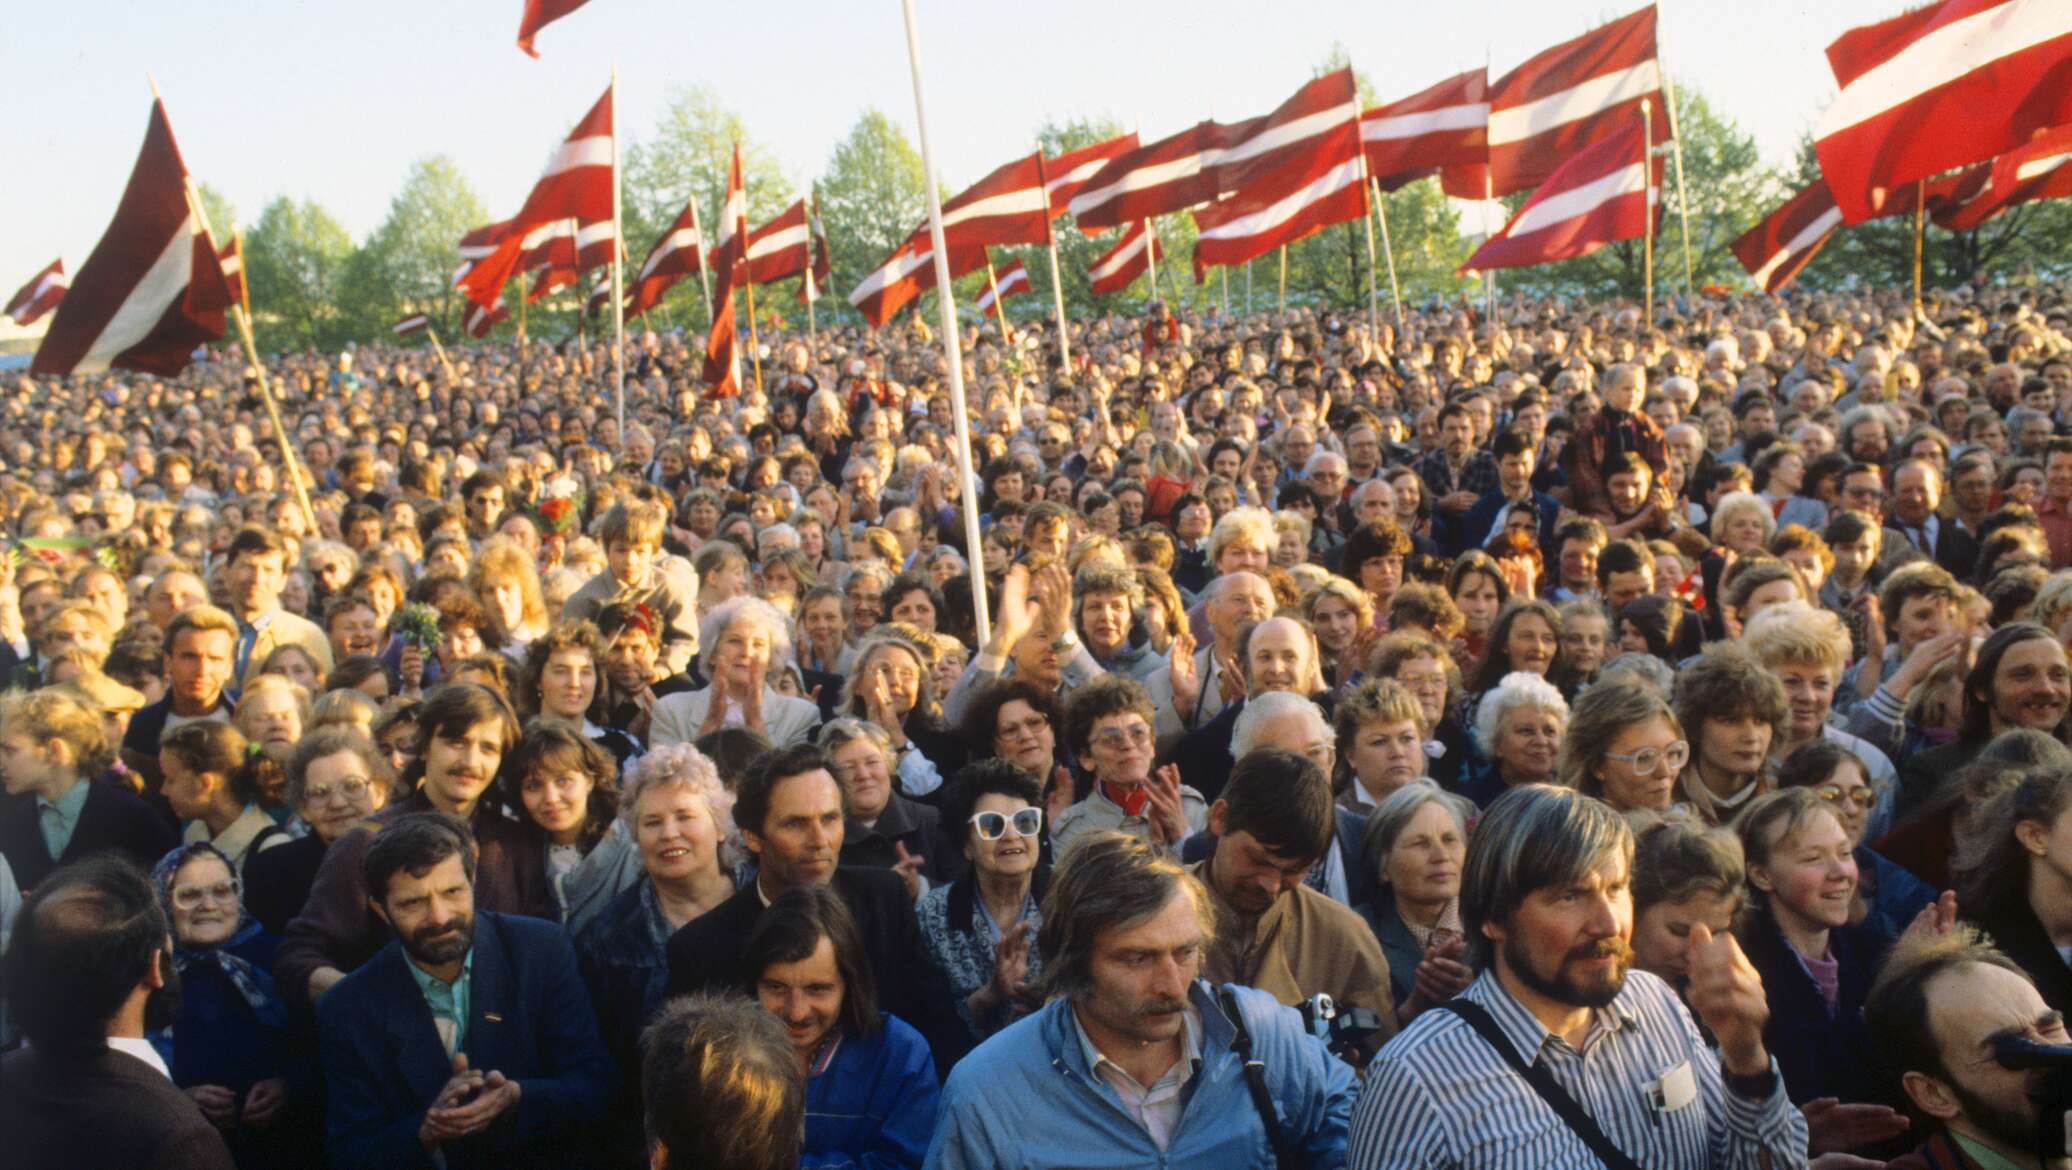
[
  {"x": 1920, "y": 232},
  {"x": 1388, "y": 251},
  {"x": 1489, "y": 233},
  {"x": 1284, "y": 283},
  {"x": 1248, "y": 288},
  {"x": 1368, "y": 188},
  {"x": 1226, "y": 292},
  {"x": 1647, "y": 216},
  {"x": 999, "y": 308},
  {"x": 704, "y": 268},
  {"x": 1057, "y": 282},
  {"x": 452, "y": 379},
  {"x": 755, "y": 344},
  {"x": 618, "y": 273},
  {"x": 953, "y": 344},
  {"x": 523, "y": 301},
  {"x": 1683, "y": 199}
]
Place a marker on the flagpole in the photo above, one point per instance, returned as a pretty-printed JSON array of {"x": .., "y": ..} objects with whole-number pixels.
[
  {"x": 1388, "y": 251},
  {"x": 1226, "y": 292},
  {"x": 999, "y": 309},
  {"x": 1683, "y": 199},
  {"x": 704, "y": 268},
  {"x": 244, "y": 271},
  {"x": 1920, "y": 231},
  {"x": 1151, "y": 254},
  {"x": 1057, "y": 283},
  {"x": 1284, "y": 284},
  {"x": 1368, "y": 187},
  {"x": 451, "y": 378},
  {"x": 1488, "y": 233},
  {"x": 812, "y": 285},
  {"x": 952, "y": 343},
  {"x": 755, "y": 343},
  {"x": 1248, "y": 288},
  {"x": 1647, "y": 214},
  {"x": 618, "y": 273}
]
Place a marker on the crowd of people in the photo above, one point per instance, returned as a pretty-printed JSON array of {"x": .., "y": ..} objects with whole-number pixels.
[{"x": 1554, "y": 741}]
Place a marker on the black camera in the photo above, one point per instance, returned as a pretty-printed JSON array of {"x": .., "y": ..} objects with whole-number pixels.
[
  {"x": 1344, "y": 1030},
  {"x": 2053, "y": 1097}
]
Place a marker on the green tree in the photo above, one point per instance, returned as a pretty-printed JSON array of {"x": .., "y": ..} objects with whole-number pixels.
[
  {"x": 294, "y": 259},
  {"x": 871, "y": 198},
  {"x": 222, "y": 214},
  {"x": 406, "y": 265}
]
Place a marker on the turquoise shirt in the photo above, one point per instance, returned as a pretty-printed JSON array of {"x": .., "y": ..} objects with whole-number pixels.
[
  {"x": 60, "y": 818},
  {"x": 448, "y": 1001}
]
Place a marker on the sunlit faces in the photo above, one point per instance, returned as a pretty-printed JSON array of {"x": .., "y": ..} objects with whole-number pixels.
[
  {"x": 1809, "y": 688},
  {"x": 1734, "y": 746},
  {"x": 805, "y": 996},
  {"x": 1424, "y": 864},
  {"x": 1140, "y": 975},
  {"x": 271, "y": 717},
  {"x": 1583, "y": 638},
  {"x": 1384, "y": 756},
  {"x": 631, "y": 561},
  {"x": 1479, "y": 601},
  {"x": 1024, "y": 734},
  {"x": 558, "y": 801},
  {"x": 1010, "y": 853},
  {"x": 1662, "y": 932},
  {"x": 676, "y": 833},
  {"x": 197, "y": 666},
  {"x": 204, "y": 897},
  {"x": 1527, "y": 742},
  {"x": 801, "y": 833},
  {"x": 1104, "y": 620},
  {"x": 1809, "y": 879},
  {"x": 1279, "y": 656},
  {"x": 862, "y": 770},
  {"x": 742, "y": 657},
  {"x": 459, "y": 767},
  {"x": 1640, "y": 766},
  {"x": 1245, "y": 873},
  {"x": 338, "y": 792},
  {"x": 432, "y": 913},
  {"x": 1921, "y": 618},
  {"x": 2032, "y": 686},
  {"x": 1119, "y": 749},
  {"x": 1569, "y": 943},
  {"x": 1337, "y": 622},
  {"x": 1531, "y": 644}
]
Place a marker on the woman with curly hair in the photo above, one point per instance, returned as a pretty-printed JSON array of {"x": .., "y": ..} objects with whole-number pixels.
[
  {"x": 563, "y": 682},
  {"x": 1343, "y": 617},
  {"x": 505, "y": 580}
]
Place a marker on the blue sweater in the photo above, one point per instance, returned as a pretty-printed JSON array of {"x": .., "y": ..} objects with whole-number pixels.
[{"x": 873, "y": 1106}]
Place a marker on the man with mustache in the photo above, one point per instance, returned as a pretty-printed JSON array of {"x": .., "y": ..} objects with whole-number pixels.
[
  {"x": 1136, "y": 1060},
  {"x": 1558, "y": 1055},
  {"x": 463, "y": 732},
  {"x": 487, "y": 1008}
]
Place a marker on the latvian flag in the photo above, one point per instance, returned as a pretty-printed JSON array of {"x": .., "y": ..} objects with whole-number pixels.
[
  {"x": 1775, "y": 250},
  {"x": 1603, "y": 194},
  {"x": 414, "y": 323},
  {"x": 1012, "y": 281},
  {"x": 232, "y": 257},
  {"x": 1125, "y": 262},
  {"x": 39, "y": 296}
]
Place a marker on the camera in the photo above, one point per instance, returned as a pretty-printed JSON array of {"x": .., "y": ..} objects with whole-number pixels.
[
  {"x": 1344, "y": 1030},
  {"x": 2053, "y": 1097}
]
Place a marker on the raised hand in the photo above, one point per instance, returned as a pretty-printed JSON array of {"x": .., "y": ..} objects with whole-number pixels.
[
  {"x": 1441, "y": 974},
  {"x": 1166, "y": 811},
  {"x": 1181, "y": 669},
  {"x": 1017, "y": 614},
  {"x": 1727, "y": 995},
  {"x": 1936, "y": 918},
  {"x": 1011, "y": 964},
  {"x": 1230, "y": 682},
  {"x": 1054, "y": 587},
  {"x": 908, "y": 867}
]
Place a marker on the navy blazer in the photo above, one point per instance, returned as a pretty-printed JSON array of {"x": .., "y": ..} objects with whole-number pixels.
[
  {"x": 529, "y": 1018},
  {"x": 1472, "y": 530},
  {"x": 113, "y": 819}
]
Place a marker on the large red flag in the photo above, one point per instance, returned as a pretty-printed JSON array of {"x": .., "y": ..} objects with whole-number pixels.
[
  {"x": 1150, "y": 180},
  {"x": 815, "y": 284},
  {"x": 1066, "y": 173},
  {"x": 720, "y": 361},
  {"x": 1603, "y": 194},
  {"x": 231, "y": 257},
  {"x": 730, "y": 235},
  {"x": 676, "y": 255},
  {"x": 1444, "y": 126},
  {"x": 539, "y": 14},
  {"x": 780, "y": 248},
  {"x": 1005, "y": 207},
  {"x": 1280, "y": 150},
  {"x": 2040, "y": 169},
  {"x": 905, "y": 275},
  {"x": 1572, "y": 95},
  {"x": 575, "y": 184},
  {"x": 1121, "y": 265},
  {"x": 481, "y": 319},
  {"x": 1954, "y": 83},
  {"x": 153, "y": 289},
  {"x": 39, "y": 296},
  {"x": 1289, "y": 206},
  {"x": 1011, "y": 281},
  {"x": 1775, "y": 250}
]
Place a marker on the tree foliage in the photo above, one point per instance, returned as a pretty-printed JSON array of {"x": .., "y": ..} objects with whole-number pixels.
[
  {"x": 406, "y": 265},
  {"x": 295, "y": 259},
  {"x": 872, "y": 194}
]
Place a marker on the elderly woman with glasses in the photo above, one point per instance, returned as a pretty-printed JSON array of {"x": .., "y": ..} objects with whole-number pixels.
[
  {"x": 980, "y": 929},
  {"x": 337, "y": 778},
  {"x": 228, "y": 1044},
  {"x": 883, "y": 829},
  {"x": 1624, "y": 746}
]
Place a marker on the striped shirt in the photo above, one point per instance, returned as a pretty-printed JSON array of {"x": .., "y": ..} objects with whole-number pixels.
[{"x": 1439, "y": 1096}]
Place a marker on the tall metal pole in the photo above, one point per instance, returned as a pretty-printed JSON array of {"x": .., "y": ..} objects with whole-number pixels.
[
  {"x": 1488, "y": 233},
  {"x": 1647, "y": 206},
  {"x": 1151, "y": 254},
  {"x": 618, "y": 272},
  {"x": 1388, "y": 250},
  {"x": 952, "y": 344},
  {"x": 1683, "y": 199}
]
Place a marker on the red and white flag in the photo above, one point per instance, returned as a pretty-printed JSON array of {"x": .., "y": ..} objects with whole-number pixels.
[
  {"x": 1121, "y": 265},
  {"x": 1005, "y": 208},
  {"x": 1011, "y": 281},
  {"x": 676, "y": 255},
  {"x": 481, "y": 319},
  {"x": 414, "y": 323},
  {"x": 781, "y": 248},
  {"x": 39, "y": 296},
  {"x": 1150, "y": 180},
  {"x": 1444, "y": 126},
  {"x": 905, "y": 275},
  {"x": 575, "y": 184},
  {"x": 232, "y": 257},
  {"x": 818, "y": 274},
  {"x": 2040, "y": 169},
  {"x": 721, "y": 372},
  {"x": 1277, "y": 152},
  {"x": 153, "y": 289},
  {"x": 1287, "y": 207},
  {"x": 1064, "y": 175},
  {"x": 1775, "y": 250},
  {"x": 1603, "y": 194},
  {"x": 1570, "y": 96},
  {"x": 539, "y": 14},
  {"x": 1953, "y": 83},
  {"x": 730, "y": 236}
]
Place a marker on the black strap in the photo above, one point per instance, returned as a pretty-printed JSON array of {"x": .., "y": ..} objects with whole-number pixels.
[
  {"x": 1544, "y": 1084},
  {"x": 1255, "y": 1080}
]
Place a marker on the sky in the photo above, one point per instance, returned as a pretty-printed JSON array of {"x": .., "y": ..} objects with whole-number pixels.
[{"x": 333, "y": 101}]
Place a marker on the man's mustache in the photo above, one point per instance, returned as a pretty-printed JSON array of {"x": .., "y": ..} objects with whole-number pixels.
[
  {"x": 1613, "y": 947},
  {"x": 1162, "y": 1006}
]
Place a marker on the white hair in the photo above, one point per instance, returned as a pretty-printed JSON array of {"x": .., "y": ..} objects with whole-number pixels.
[
  {"x": 745, "y": 608},
  {"x": 1257, "y": 712},
  {"x": 1516, "y": 691}
]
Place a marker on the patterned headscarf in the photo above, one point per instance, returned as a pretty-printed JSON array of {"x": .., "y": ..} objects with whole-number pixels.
[{"x": 255, "y": 986}]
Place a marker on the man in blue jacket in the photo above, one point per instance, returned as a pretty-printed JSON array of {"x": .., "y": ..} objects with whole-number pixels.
[
  {"x": 1135, "y": 1061},
  {"x": 469, "y": 1041}
]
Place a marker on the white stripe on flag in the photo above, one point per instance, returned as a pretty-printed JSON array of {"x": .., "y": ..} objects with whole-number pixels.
[
  {"x": 675, "y": 241},
  {"x": 1945, "y": 55},
  {"x": 1828, "y": 221},
  {"x": 1345, "y": 174},
  {"x": 590, "y": 233},
  {"x": 1275, "y": 137},
  {"x": 791, "y": 237},
  {"x": 1139, "y": 179},
  {"x": 1078, "y": 174},
  {"x": 50, "y": 281},
  {"x": 233, "y": 263},
  {"x": 2040, "y": 166},
  {"x": 583, "y": 152},
  {"x": 1580, "y": 100},
  {"x": 1115, "y": 263},
  {"x": 1566, "y": 205},
  {"x": 1465, "y": 117},
  {"x": 890, "y": 273},
  {"x": 1020, "y": 202},
  {"x": 146, "y": 303}
]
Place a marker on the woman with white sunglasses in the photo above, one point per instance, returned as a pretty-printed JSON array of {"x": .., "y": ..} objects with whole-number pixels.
[
  {"x": 981, "y": 928},
  {"x": 1624, "y": 747}
]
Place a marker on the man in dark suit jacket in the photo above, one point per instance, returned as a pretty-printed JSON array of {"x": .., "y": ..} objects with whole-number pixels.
[
  {"x": 1916, "y": 497},
  {"x": 113, "y": 820},
  {"x": 470, "y": 1035},
  {"x": 89, "y": 1092}
]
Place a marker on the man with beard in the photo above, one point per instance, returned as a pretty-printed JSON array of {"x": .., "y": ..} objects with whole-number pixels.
[
  {"x": 469, "y": 1040},
  {"x": 1557, "y": 1054},
  {"x": 91, "y": 958},
  {"x": 1935, "y": 1013}
]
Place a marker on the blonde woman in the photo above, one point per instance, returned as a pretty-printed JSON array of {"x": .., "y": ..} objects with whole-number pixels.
[
  {"x": 54, "y": 749},
  {"x": 504, "y": 578}
]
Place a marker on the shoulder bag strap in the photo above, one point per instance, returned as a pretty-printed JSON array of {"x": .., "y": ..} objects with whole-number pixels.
[
  {"x": 1255, "y": 1079},
  {"x": 1543, "y": 1083}
]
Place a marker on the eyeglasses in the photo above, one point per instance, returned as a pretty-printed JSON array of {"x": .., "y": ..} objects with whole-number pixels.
[
  {"x": 188, "y": 897},
  {"x": 351, "y": 790},
  {"x": 991, "y": 826},
  {"x": 1646, "y": 760},
  {"x": 1116, "y": 737},
  {"x": 1862, "y": 798}
]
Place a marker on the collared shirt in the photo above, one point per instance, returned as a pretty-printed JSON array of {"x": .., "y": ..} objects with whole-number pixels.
[
  {"x": 140, "y": 1048},
  {"x": 1440, "y": 1096},
  {"x": 1982, "y": 1155},
  {"x": 247, "y": 637},
  {"x": 1156, "y": 1107},
  {"x": 60, "y": 818},
  {"x": 448, "y": 1001}
]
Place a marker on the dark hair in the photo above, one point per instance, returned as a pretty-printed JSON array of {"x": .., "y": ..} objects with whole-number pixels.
[
  {"x": 1496, "y": 655},
  {"x": 721, "y": 1087},
  {"x": 1533, "y": 837},
  {"x": 1107, "y": 881},
  {"x": 1376, "y": 538},
  {"x": 1512, "y": 441},
  {"x": 252, "y": 539},
  {"x": 1811, "y": 763},
  {"x": 567, "y": 635},
  {"x": 449, "y": 711},
  {"x": 790, "y": 930},
  {"x": 1283, "y": 800},
  {"x": 86, "y": 938},
  {"x": 1107, "y": 695},
  {"x": 1623, "y": 556},
  {"x": 905, "y": 584},
  {"x": 557, "y": 747},
  {"x": 752, "y": 792},
  {"x": 982, "y": 716},
  {"x": 733, "y": 750},
  {"x": 214, "y": 746},
  {"x": 1896, "y": 1009},
  {"x": 353, "y": 671},
  {"x": 414, "y": 843},
  {"x": 981, "y": 778},
  {"x": 1978, "y": 685}
]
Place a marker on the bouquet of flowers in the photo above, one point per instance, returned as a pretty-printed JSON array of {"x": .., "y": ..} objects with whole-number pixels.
[
  {"x": 418, "y": 625},
  {"x": 558, "y": 515}
]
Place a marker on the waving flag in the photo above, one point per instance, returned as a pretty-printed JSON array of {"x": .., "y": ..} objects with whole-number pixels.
[
  {"x": 905, "y": 275},
  {"x": 539, "y": 14},
  {"x": 1011, "y": 281},
  {"x": 1565, "y": 98},
  {"x": 232, "y": 257},
  {"x": 1775, "y": 250},
  {"x": 1327, "y": 190},
  {"x": 1005, "y": 207},
  {"x": 2041, "y": 169},
  {"x": 1064, "y": 175},
  {"x": 780, "y": 248},
  {"x": 676, "y": 255},
  {"x": 817, "y": 276},
  {"x": 483, "y": 318},
  {"x": 414, "y": 323},
  {"x": 39, "y": 296},
  {"x": 1444, "y": 126},
  {"x": 153, "y": 289},
  {"x": 576, "y": 184},
  {"x": 1121, "y": 265},
  {"x": 1279, "y": 151},
  {"x": 722, "y": 372},
  {"x": 1953, "y": 83},
  {"x": 1150, "y": 180},
  {"x": 1603, "y": 194}
]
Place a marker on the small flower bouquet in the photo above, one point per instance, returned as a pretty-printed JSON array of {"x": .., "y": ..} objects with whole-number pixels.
[
  {"x": 418, "y": 625},
  {"x": 558, "y": 515}
]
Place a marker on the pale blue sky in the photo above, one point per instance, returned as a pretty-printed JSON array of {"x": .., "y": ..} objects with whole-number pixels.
[{"x": 334, "y": 100}]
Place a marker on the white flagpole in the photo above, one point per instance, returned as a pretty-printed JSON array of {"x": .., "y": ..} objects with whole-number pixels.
[
  {"x": 1057, "y": 283},
  {"x": 812, "y": 286},
  {"x": 618, "y": 273},
  {"x": 1373, "y": 191},
  {"x": 1151, "y": 254},
  {"x": 704, "y": 260},
  {"x": 1388, "y": 251},
  {"x": 1683, "y": 200},
  {"x": 1647, "y": 208},
  {"x": 952, "y": 343}
]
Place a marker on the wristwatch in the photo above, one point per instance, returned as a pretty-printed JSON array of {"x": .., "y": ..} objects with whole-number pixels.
[
  {"x": 1064, "y": 642},
  {"x": 1755, "y": 1087}
]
